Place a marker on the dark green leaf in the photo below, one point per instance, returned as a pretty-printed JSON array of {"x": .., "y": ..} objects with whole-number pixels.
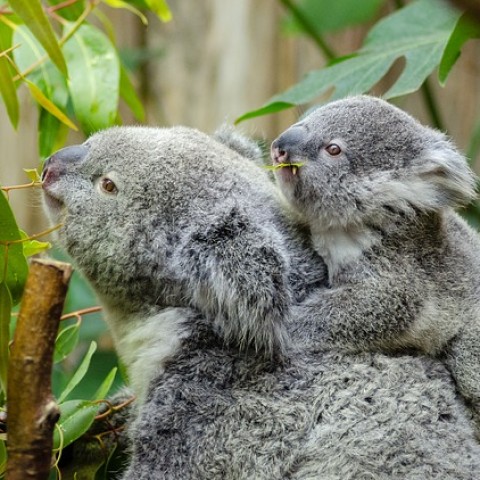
[
  {"x": 3, "y": 457},
  {"x": 5, "y": 313},
  {"x": 7, "y": 86},
  {"x": 465, "y": 29},
  {"x": 79, "y": 374},
  {"x": 17, "y": 267},
  {"x": 76, "y": 417},
  {"x": 128, "y": 94},
  {"x": 106, "y": 385},
  {"x": 66, "y": 341},
  {"x": 418, "y": 32},
  {"x": 326, "y": 16},
  {"x": 94, "y": 77},
  {"x": 52, "y": 134},
  {"x": 271, "y": 107},
  {"x": 160, "y": 8},
  {"x": 31, "y": 12}
]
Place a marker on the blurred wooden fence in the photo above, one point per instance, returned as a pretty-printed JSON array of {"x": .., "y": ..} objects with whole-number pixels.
[{"x": 216, "y": 60}]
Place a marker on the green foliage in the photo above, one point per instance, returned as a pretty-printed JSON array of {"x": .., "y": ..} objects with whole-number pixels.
[
  {"x": 73, "y": 72},
  {"x": 34, "y": 17},
  {"x": 419, "y": 33},
  {"x": 94, "y": 77},
  {"x": 331, "y": 16},
  {"x": 13, "y": 264}
]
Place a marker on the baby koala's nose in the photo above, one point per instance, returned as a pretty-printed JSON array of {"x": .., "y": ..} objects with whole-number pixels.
[
  {"x": 64, "y": 157},
  {"x": 286, "y": 144},
  {"x": 279, "y": 155}
]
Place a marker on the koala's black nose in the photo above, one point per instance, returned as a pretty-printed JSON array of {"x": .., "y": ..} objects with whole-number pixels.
[
  {"x": 286, "y": 144},
  {"x": 64, "y": 157}
]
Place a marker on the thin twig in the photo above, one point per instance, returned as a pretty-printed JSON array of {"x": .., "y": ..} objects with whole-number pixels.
[
  {"x": 21, "y": 186},
  {"x": 79, "y": 313}
]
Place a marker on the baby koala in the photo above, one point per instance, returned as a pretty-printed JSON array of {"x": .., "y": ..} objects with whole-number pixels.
[{"x": 378, "y": 191}]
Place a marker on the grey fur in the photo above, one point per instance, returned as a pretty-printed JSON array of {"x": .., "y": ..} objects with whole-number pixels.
[
  {"x": 197, "y": 268},
  {"x": 404, "y": 268}
]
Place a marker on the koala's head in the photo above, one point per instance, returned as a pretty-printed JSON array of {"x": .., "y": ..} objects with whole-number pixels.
[
  {"x": 363, "y": 161},
  {"x": 126, "y": 196}
]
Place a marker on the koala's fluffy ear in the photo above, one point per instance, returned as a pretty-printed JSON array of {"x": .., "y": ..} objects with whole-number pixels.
[
  {"x": 447, "y": 175},
  {"x": 228, "y": 136}
]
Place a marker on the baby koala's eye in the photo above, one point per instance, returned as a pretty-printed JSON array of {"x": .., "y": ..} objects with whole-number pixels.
[
  {"x": 108, "y": 186},
  {"x": 333, "y": 149}
]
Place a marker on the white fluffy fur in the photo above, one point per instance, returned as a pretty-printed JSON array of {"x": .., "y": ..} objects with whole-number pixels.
[{"x": 144, "y": 343}]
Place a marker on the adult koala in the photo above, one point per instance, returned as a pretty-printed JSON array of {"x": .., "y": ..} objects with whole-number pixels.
[{"x": 186, "y": 245}]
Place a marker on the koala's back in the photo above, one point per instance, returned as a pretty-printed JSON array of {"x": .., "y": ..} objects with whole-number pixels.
[{"x": 332, "y": 416}]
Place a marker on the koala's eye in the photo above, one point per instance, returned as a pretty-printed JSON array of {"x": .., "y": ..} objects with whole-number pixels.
[
  {"x": 333, "y": 149},
  {"x": 108, "y": 186}
]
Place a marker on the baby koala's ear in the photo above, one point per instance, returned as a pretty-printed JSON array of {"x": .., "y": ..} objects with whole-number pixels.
[
  {"x": 447, "y": 174},
  {"x": 233, "y": 139}
]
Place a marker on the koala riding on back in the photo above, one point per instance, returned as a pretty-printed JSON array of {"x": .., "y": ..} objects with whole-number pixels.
[{"x": 378, "y": 191}]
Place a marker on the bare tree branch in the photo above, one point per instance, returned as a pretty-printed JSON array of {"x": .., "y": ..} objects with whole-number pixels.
[{"x": 32, "y": 411}]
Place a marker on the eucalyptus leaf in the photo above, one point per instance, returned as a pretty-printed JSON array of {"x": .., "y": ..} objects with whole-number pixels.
[
  {"x": 106, "y": 385},
  {"x": 52, "y": 134},
  {"x": 465, "y": 30},
  {"x": 16, "y": 266},
  {"x": 160, "y": 8},
  {"x": 32, "y": 247},
  {"x": 418, "y": 33},
  {"x": 45, "y": 76},
  {"x": 5, "y": 312},
  {"x": 66, "y": 342},
  {"x": 76, "y": 417},
  {"x": 42, "y": 100},
  {"x": 3, "y": 457},
  {"x": 31, "y": 12},
  {"x": 79, "y": 374},
  {"x": 94, "y": 77},
  {"x": 327, "y": 16},
  {"x": 7, "y": 86}
]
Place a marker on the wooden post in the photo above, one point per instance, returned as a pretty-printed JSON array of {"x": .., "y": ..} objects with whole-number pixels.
[{"x": 31, "y": 408}]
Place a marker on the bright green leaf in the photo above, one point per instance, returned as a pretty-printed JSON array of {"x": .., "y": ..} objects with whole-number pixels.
[
  {"x": 17, "y": 267},
  {"x": 42, "y": 100},
  {"x": 418, "y": 32},
  {"x": 7, "y": 86},
  {"x": 76, "y": 417},
  {"x": 326, "y": 16},
  {"x": 106, "y": 385},
  {"x": 34, "y": 247},
  {"x": 128, "y": 94},
  {"x": 465, "y": 29},
  {"x": 94, "y": 78},
  {"x": 5, "y": 312},
  {"x": 79, "y": 374},
  {"x": 127, "y": 6},
  {"x": 32, "y": 174},
  {"x": 160, "y": 8},
  {"x": 66, "y": 341},
  {"x": 31, "y": 12}
]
